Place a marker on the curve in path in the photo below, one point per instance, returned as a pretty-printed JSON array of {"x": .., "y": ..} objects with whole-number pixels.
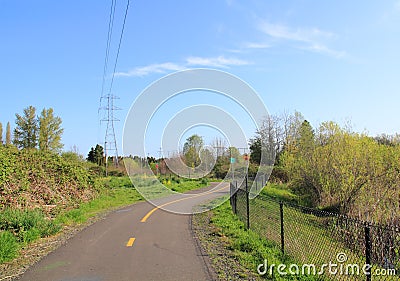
[{"x": 139, "y": 242}]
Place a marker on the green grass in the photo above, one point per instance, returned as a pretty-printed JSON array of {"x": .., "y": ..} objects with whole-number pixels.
[
  {"x": 18, "y": 228},
  {"x": 248, "y": 246},
  {"x": 279, "y": 192},
  {"x": 27, "y": 225},
  {"x": 153, "y": 188},
  {"x": 120, "y": 192},
  {"x": 306, "y": 238},
  {"x": 9, "y": 246},
  {"x": 117, "y": 182},
  {"x": 185, "y": 185},
  {"x": 109, "y": 199}
]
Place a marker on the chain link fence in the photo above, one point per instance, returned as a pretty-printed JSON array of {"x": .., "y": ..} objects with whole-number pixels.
[{"x": 360, "y": 250}]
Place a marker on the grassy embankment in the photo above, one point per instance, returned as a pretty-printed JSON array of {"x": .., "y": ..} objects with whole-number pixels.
[
  {"x": 18, "y": 228},
  {"x": 42, "y": 192}
]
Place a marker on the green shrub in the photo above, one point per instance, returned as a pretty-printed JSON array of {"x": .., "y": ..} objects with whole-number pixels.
[
  {"x": 176, "y": 179},
  {"x": 204, "y": 181},
  {"x": 8, "y": 246},
  {"x": 31, "y": 177}
]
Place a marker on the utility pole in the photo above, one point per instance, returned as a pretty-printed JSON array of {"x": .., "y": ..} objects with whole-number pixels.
[{"x": 159, "y": 161}]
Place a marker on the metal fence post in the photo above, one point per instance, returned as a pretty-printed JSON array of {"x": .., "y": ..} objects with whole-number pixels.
[
  {"x": 233, "y": 194},
  {"x": 282, "y": 228},
  {"x": 230, "y": 194},
  {"x": 368, "y": 248},
  {"x": 235, "y": 197},
  {"x": 247, "y": 204}
]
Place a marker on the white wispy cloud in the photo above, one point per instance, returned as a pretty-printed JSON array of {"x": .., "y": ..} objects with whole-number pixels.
[
  {"x": 220, "y": 61},
  {"x": 310, "y": 39},
  {"x": 217, "y": 62},
  {"x": 280, "y": 31},
  {"x": 152, "y": 68},
  {"x": 322, "y": 49},
  {"x": 256, "y": 45}
]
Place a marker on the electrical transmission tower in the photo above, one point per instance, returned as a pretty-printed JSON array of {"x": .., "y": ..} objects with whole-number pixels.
[{"x": 110, "y": 141}]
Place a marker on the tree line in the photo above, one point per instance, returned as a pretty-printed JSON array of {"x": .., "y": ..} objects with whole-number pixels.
[
  {"x": 329, "y": 166},
  {"x": 334, "y": 168},
  {"x": 41, "y": 131}
]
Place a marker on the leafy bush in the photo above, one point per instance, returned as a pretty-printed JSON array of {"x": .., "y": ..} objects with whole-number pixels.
[
  {"x": 337, "y": 169},
  {"x": 30, "y": 178},
  {"x": 204, "y": 181}
]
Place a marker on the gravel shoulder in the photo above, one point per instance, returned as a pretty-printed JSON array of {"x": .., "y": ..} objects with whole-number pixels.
[{"x": 222, "y": 259}]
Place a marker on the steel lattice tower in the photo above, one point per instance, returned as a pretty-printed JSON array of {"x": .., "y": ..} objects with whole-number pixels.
[{"x": 110, "y": 141}]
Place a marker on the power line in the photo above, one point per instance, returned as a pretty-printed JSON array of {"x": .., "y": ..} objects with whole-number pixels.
[
  {"x": 108, "y": 44},
  {"x": 119, "y": 46},
  {"x": 109, "y": 35},
  {"x": 110, "y": 142}
]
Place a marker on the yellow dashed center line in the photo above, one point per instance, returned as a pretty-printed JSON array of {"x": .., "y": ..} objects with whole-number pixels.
[
  {"x": 144, "y": 219},
  {"x": 130, "y": 242}
]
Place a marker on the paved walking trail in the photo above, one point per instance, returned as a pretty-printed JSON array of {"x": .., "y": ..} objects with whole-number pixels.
[{"x": 139, "y": 242}]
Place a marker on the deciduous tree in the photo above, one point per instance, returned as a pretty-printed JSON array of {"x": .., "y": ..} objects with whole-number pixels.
[
  {"x": 191, "y": 150},
  {"x": 26, "y": 131},
  {"x": 8, "y": 134},
  {"x": 1, "y": 133},
  {"x": 50, "y": 131}
]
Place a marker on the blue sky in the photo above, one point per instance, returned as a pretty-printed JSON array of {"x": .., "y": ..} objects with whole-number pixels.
[{"x": 336, "y": 60}]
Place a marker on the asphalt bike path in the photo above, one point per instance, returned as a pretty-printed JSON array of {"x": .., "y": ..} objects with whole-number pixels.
[{"x": 139, "y": 242}]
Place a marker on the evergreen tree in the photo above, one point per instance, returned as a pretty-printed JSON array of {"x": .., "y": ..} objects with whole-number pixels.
[
  {"x": 8, "y": 134},
  {"x": 25, "y": 133},
  {"x": 91, "y": 157},
  {"x": 306, "y": 140},
  {"x": 255, "y": 150},
  {"x": 96, "y": 155},
  {"x": 99, "y": 155},
  {"x": 50, "y": 131},
  {"x": 1, "y": 133}
]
